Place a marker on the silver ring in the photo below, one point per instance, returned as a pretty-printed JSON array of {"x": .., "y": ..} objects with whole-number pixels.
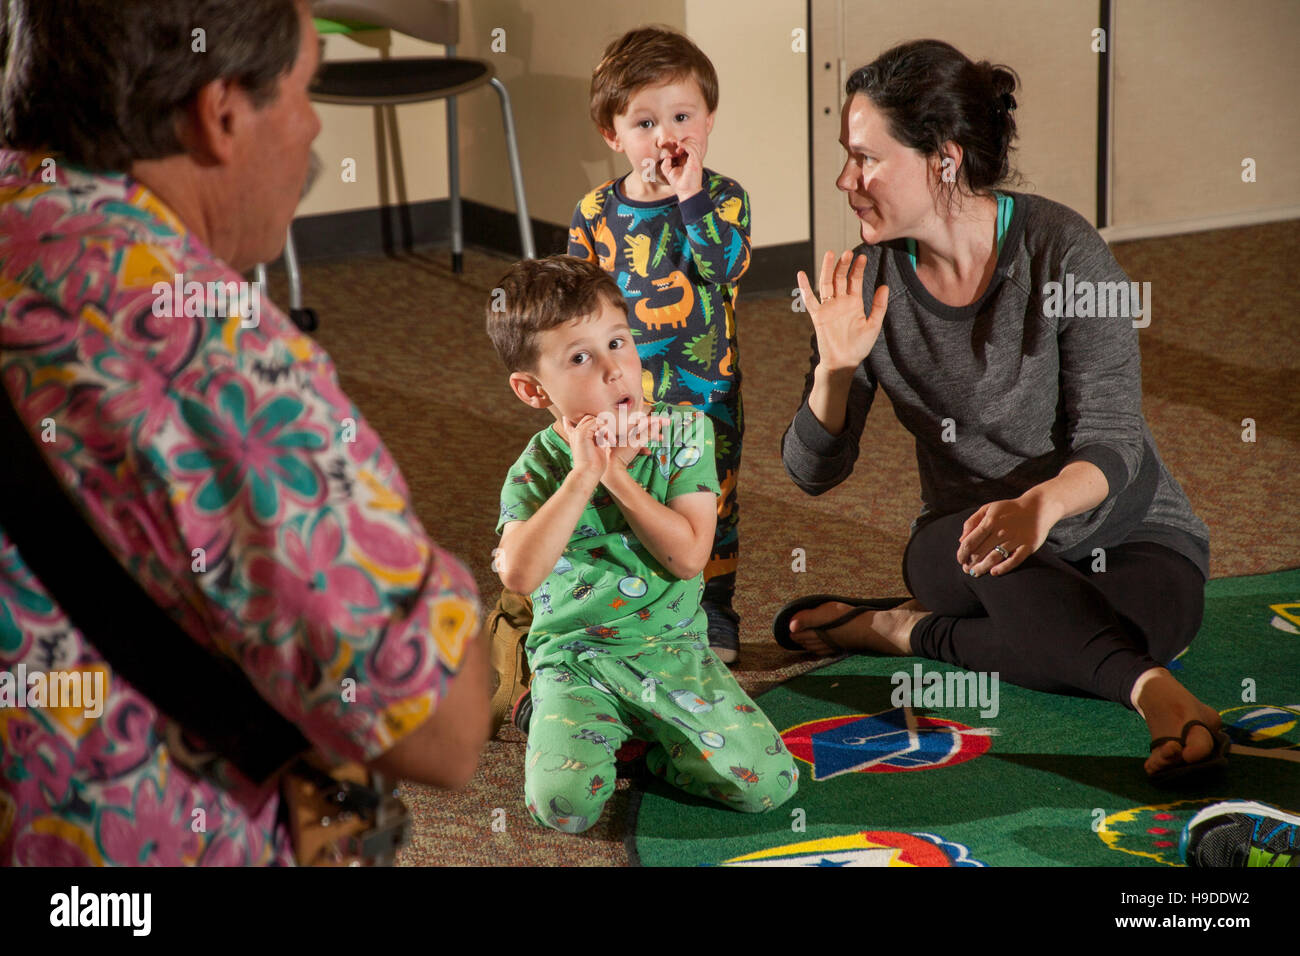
[{"x": 1002, "y": 551}]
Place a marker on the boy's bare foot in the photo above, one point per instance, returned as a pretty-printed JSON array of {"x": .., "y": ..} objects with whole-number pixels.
[
  {"x": 1167, "y": 706},
  {"x": 873, "y": 632}
]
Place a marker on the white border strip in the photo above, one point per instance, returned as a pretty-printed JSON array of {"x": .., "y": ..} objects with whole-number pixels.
[
  {"x": 1177, "y": 227},
  {"x": 1110, "y": 119}
]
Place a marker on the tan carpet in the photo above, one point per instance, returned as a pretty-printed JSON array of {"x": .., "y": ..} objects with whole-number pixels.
[{"x": 407, "y": 337}]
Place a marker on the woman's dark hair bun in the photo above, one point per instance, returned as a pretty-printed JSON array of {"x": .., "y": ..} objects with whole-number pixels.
[{"x": 1001, "y": 79}]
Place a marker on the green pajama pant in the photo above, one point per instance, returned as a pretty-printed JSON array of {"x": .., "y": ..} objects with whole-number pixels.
[{"x": 709, "y": 739}]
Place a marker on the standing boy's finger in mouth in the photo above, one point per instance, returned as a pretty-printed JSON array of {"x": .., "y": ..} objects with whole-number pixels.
[{"x": 675, "y": 153}]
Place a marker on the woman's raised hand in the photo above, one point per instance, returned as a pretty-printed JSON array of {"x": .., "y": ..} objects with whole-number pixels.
[{"x": 845, "y": 334}]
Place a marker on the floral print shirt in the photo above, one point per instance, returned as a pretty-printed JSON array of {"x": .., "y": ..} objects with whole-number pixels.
[{"x": 223, "y": 466}]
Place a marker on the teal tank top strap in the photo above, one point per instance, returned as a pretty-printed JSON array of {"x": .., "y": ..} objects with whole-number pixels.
[{"x": 1006, "y": 206}]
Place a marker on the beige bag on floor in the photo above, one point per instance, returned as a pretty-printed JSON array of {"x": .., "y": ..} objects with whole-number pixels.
[{"x": 508, "y": 625}]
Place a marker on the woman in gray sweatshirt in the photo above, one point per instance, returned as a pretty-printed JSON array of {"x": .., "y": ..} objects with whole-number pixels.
[{"x": 1053, "y": 545}]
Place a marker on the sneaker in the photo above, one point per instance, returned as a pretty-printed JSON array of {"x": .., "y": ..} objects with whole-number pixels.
[
  {"x": 1240, "y": 833},
  {"x": 724, "y": 631}
]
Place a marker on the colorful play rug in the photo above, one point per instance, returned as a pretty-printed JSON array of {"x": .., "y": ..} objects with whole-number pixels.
[{"x": 957, "y": 776}]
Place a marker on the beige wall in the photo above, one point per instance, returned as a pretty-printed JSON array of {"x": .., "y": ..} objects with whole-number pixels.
[
  {"x": 759, "y": 137},
  {"x": 551, "y": 48},
  {"x": 1201, "y": 85},
  {"x": 415, "y": 171}
]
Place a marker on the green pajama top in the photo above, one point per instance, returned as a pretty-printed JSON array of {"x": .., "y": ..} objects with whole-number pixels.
[{"x": 608, "y": 593}]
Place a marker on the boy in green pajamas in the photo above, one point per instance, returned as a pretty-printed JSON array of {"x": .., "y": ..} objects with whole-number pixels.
[{"x": 607, "y": 520}]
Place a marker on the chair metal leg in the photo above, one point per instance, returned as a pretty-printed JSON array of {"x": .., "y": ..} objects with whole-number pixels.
[
  {"x": 516, "y": 173},
  {"x": 291, "y": 267},
  {"x": 305, "y": 319},
  {"x": 453, "y": 182}
]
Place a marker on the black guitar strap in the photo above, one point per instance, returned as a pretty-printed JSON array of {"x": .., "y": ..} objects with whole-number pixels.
[{"x": 207, "y": 695}]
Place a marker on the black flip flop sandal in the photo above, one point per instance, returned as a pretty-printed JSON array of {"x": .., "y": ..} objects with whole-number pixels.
[
  {"x": 1185, "y": 774},
  {"x": 781, "y": 623}
]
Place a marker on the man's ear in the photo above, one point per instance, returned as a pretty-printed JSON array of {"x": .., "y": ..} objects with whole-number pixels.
[
  {"x": 612, "y": 140},
  {"x": 529, "y": 390},
  {"x": 213, "y": 120}
]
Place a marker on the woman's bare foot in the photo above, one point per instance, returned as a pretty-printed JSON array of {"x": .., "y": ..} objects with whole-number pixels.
[
  {"x": 1167, "y": 706},
  {"x": 875, "y": 632}
]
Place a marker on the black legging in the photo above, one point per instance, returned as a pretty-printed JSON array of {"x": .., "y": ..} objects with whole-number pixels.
[{"x": 1050, "y": 624}]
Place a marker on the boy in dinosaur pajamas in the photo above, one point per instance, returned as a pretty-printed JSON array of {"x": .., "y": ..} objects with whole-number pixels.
[
  {"x": 608, "y": 522},
  {"x": 675, "y": 236}
]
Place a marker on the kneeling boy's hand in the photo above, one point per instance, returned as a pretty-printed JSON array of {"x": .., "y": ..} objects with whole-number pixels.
[
  {"x": 590, "y": 458},
  {"x": 643, "y": 430}
]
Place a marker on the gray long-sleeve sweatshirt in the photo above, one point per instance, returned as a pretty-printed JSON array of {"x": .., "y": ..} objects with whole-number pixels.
[{"x": 1000, "y": 395}]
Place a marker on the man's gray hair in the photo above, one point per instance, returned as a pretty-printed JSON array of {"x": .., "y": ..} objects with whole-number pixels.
[{"x": 103, "y": 82}]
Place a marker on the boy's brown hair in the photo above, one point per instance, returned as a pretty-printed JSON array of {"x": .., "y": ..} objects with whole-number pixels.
[
  {"x": 647, "y": 56},
  {"x": 540, "y": 294}
]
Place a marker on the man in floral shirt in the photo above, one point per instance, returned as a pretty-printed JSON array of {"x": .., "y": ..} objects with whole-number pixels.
[{"x": 210, "y": 447}]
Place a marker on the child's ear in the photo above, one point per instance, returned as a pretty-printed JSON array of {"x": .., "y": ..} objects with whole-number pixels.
[
  {"x": 708, "y": 124},
  {"x": 529, "y": 390},
  {"x": 612, "y": 140}
]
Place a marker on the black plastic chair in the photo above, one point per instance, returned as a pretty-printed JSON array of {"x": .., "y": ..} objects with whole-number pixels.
[{"x": 395, "y": 81}]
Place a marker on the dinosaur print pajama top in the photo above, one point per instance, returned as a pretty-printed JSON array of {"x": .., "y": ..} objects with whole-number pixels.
[{"x": 679, "y": 265}]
